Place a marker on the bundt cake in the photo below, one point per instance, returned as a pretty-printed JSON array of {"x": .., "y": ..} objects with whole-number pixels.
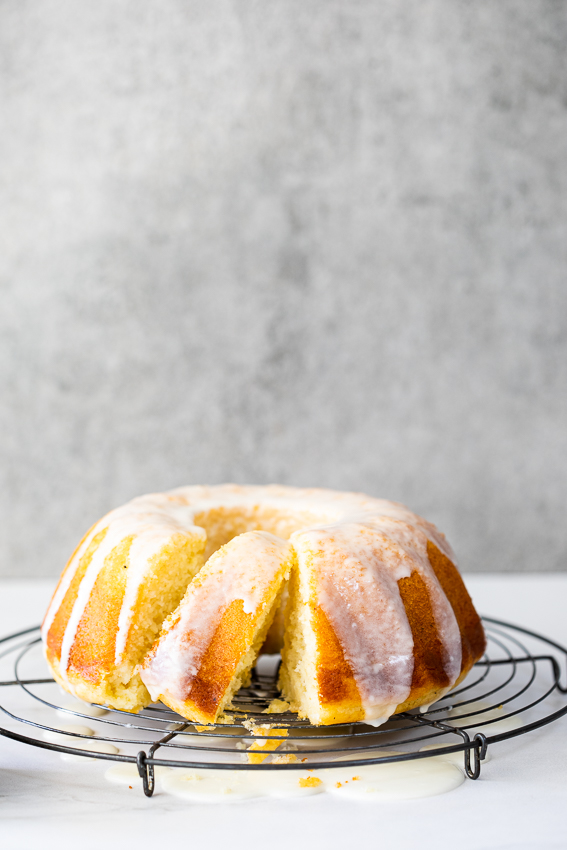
[{"x": 171, "y": 597}]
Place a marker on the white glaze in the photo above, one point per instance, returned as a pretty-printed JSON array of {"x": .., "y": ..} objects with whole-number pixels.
[
  {"x": 80, "y": 707},
  {"x": 405, "y": 780},
  {"x": 72, "y": 729},
  {"x": 89, "y": 743},
  {"x": 93, "y": 747},
  {"x": 369, "y": 753},
  {"x": 285, "y": 784},
  {"x": 244, "y": 569},
  {"x": 394, "y": 781},
  {"x": 226, "y": 786},
  {"x": 457, "y": 758},
  {"x": 126, "y": 773}
]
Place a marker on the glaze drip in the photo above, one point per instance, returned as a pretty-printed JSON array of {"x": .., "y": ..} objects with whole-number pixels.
[{"x": 359, "y": 594}]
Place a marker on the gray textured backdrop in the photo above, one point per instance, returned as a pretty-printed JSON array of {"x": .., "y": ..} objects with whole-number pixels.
[{"x": 309, "y": 241}]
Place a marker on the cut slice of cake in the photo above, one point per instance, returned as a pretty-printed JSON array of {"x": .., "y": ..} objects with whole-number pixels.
[{"x": 208, "y": 646}]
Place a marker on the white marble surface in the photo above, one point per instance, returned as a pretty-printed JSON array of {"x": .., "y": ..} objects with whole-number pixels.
[{"x": 518, "y": 803}]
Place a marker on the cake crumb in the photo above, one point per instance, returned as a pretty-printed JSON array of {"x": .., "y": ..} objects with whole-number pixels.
[
  {"x": 261, "y": 745},
  {"x": 284, "y": 759},
  {"x": 338, "y": 784},
  {"x": 266, "y": 732},
  {"x": 269, "y": 731},
  {"x": 226, "y": 719},
  {"x": 310, "y": 782},
  {"x": 277, "y": 706}
]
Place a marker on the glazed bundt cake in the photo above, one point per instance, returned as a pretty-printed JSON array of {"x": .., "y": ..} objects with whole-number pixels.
[{"x": 172, "y": 596}]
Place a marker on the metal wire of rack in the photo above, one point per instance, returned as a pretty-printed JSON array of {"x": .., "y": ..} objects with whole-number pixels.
[{"x": 520, "y": 674}]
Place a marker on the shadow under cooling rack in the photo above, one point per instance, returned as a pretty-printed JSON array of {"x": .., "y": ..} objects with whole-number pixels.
[{"x": 514, "y": 689}]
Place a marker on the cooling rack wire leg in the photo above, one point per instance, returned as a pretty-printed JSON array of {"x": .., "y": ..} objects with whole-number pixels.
[
  {"x": 480, "y": 745},
  {"x": 146, "y": 772}
]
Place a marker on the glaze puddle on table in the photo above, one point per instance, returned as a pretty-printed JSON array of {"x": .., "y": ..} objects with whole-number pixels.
[
  {"x": 55, "y": 737},
  {"x": 392, "y": 781},
  {"x": 455, "y": 758},
  {"x": 84, "y": 743},
  {"x": 80, "y": 707}
]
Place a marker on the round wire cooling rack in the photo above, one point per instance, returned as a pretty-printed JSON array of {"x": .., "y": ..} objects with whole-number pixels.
[{"x": 515, "y": 688}]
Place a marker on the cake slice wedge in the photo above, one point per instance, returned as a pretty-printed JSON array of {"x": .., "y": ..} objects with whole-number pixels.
[{"x": 209, "y": 644}]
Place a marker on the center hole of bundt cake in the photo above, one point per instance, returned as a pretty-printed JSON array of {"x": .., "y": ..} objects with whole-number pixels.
[{"x": 222, "y": 524}]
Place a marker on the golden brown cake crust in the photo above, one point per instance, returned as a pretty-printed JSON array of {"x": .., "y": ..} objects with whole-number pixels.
[
  {"x": 337, "y": 685},
  {"x": 220, "y": 661},
  {"x": 94, "y": 649},
  {"x": 428, "y": 669},
  {"x": 472, "y": 633},
  {"x": 56, "y": 633}
]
